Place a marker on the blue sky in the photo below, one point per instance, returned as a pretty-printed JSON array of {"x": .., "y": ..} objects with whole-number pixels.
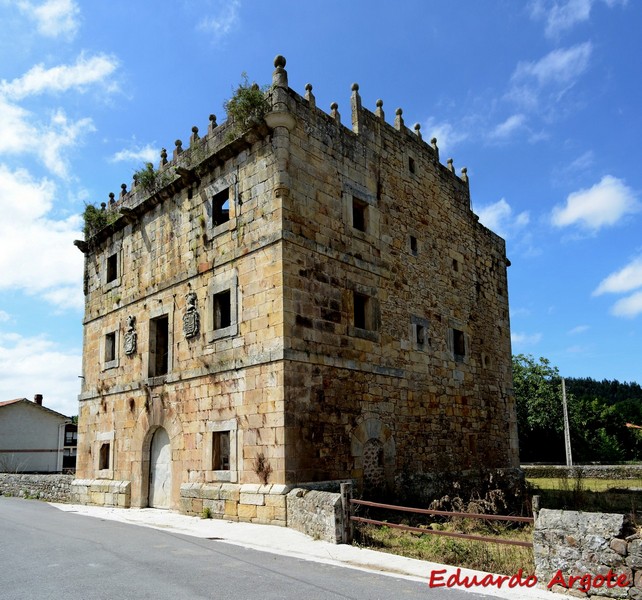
[{"x": 541, "y": 101}]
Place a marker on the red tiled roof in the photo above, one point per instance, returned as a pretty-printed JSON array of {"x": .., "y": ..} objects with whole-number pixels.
[
  {"x": 12, "y": 401},
  {"x": 16, "y": 400}
]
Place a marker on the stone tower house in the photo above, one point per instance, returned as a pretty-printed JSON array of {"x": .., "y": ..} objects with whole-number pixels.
[{"x": 294, "y": 301}]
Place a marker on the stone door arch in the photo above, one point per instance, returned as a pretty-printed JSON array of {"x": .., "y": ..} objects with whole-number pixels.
[
  {"x": 160, "y": 470},
  {"x": 373, "y": 452}
]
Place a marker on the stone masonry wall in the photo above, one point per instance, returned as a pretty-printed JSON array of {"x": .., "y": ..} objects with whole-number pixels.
[
  {"x": 594, "y": 548},
  {"x": 422, "y": 260},
  {"x": 253, "y": 503},
  {"x": 316, "y": 513},
  {"x": 368, "y": 329},
  {"x": 52, "y": 488}
]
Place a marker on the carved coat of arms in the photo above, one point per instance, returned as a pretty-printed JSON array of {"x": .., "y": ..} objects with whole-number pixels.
[
  {"x": 130, "y": 335},
  {"x": 191, "y": 319}
]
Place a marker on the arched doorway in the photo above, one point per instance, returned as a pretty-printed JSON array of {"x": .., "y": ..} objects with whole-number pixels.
[{"x": 160, "y": 470}]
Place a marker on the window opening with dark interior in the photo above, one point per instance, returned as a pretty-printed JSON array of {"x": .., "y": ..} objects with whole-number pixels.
[
  {"x": 359, "y": 214},
  {"x": 222, "y": 309},
  {"x": 221, "y": 207},
  {"x": 159, "y": 346},
  {"x": 411, "y": 164},
  {"x": 360, "y": 310},
  {"x": 221, "y": 451},
  {"x": 103, "y": 459},
  {"x": 413, "y": 245},
  {"x": 421, "y": 335},
  {"x": 112, "y": 268},
  {"x": 110, "y": 347},
  {"x": 459, "y": 343}
]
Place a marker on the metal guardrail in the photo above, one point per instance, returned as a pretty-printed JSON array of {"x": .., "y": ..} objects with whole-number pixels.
[{"x": 442, "y": 513}]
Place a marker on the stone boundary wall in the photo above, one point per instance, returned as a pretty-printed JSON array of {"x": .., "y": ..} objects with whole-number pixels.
[
  {"x": 587, "y": 471},
  {"x": 103, "y": 492},
  {"x": 249, "y": 502},
  {"x": 316, "y": 513},
  {"x": 51, "y": 488},
  {"x": 592, "y": 546}
]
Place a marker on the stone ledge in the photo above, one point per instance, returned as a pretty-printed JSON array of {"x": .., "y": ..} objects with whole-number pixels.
[{"x": 105, "y": 492}]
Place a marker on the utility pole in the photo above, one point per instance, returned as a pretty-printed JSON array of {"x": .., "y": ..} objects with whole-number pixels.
[{"x": 567, "y": 433}]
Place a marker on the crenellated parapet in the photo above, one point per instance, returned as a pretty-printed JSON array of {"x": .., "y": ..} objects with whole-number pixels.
[{"x": 187, "y": 165}]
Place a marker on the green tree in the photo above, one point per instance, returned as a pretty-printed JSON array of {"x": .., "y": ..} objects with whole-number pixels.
[{"x": 537, "y": 386}]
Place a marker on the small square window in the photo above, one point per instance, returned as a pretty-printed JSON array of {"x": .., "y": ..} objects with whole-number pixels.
[
  {"x": 359, "y": 214},
  {"x": 221, "y": 451},
  {"x": 103, "y": 458},
  {"x": 112, "y": 268},
  {"x": 221, "y": 207},
  {"x": 414, "y": 248},
  {"x": 110, "y": 347},
  {"x": 459, "y": 344},
  {"x": 158, "y": 346},
  {"x": 222, "y": 306}
]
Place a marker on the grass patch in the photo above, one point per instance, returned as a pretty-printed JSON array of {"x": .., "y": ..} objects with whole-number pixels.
[
  {"x": 589, "y": 484},
  {"x": 471, "y": 554},
  {"x": 591, "y": 495}
]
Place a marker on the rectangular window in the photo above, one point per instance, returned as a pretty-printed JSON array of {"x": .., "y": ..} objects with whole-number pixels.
[
  {"x": 221, "y": 451},
  {"x": 110, "y": 347},
  {"x": 159, "y": 346},
  {"x": 221, "y": 207},
  {"x": 112, "y": 268},
  {"x": 459, "y": 344},
  {"x": 222, "y": 306},
  {"x": 411, "y": 164},
  {"x": 413, "y": 245},
  {"x": 359, "y": 214},
  {"x": 420, "y": 335},
  {"x": 361, "y": 302},
  {"x": 103, "y": 459}
]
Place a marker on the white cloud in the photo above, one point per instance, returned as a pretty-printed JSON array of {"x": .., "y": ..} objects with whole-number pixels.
[
  {"x": 54, "y": 18},
  {"x": 4, "y": 316},
  {"x": 60, "y": 135},
  {"x": 579, "y": 329},
  {"x": 630, "y": 307},
  {"x": 36, "y": 365},
  {"x": 37, "y": 254},
  {"x": 561, "y": 66},
  {"x": 499, "y": 217},
  {"x": 626, "y": 279},
  {"x": 447, "y": 136},
  {"x": 22, "y": 133},
  {"x": 523, "y": 339},
  {"x": 38, "y": 80},
  {"x": 602, "y": 205},
  {"x": 223, "y": 22},
  {"x": 561, "y": 16},
  {"x": 508, "y": 127},
  {"x": 145, "y": 154}
]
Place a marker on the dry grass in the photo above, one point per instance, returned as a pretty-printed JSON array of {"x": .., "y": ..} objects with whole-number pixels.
[
  {"x": 483, "y": 556},
  {"x": 593, "y": 485}
]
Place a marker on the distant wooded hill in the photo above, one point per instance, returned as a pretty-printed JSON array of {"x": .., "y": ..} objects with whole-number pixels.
[{"x": 598, "y": 414}]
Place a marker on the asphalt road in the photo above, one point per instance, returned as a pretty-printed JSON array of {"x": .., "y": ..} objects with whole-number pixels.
[{"x": 49, "y": 554}]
